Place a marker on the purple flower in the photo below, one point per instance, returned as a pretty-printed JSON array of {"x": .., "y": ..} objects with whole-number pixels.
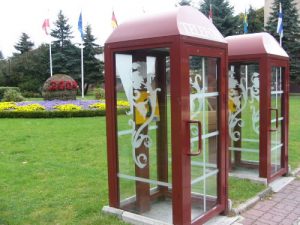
[{"x": 49, "y": 105}]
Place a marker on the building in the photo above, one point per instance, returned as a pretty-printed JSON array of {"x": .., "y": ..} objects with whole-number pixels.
[{"x": 268, "y": 6}]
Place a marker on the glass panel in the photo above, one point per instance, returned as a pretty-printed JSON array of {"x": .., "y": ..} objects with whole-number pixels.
[
  {"x": 276, "y": 118},
  {"x": 244, "y": 116},
  {"x": 144, "y": 152},
  {"x": 204, "y": 108}
]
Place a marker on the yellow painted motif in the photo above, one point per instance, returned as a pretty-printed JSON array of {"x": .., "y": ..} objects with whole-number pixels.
[{"x": 143, "y": 109}]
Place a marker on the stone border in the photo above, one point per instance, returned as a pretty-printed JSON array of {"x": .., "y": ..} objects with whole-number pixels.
[
  {"x": 251, "y": 202},
  {"x": 295, "y": 172}
]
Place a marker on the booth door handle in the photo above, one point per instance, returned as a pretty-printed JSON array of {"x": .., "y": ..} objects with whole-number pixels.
[
  {"x": 276, "y": 111},
  {"x": 199, "y": 138}
]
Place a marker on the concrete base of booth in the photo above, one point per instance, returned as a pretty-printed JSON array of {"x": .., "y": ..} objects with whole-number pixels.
[
  {"x": 249, "y": 174},
  {"x": 131, "y": 217},
  {"x": 139, "y": 219}
]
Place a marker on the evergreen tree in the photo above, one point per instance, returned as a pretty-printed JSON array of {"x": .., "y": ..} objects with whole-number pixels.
[
  {"x": 1, "y": 55},
  {"x": 223, "y": 17},
  {"x": 184, "y": 2},
  {"x": 24, "y": 44},
  {"x": 291, "y": 33},
  {"x": 93, "y": 68},
  {"x": 65, "y": 56}
]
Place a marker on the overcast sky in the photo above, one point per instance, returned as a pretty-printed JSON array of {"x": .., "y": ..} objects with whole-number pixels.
[{"x": 17, "y": 16}]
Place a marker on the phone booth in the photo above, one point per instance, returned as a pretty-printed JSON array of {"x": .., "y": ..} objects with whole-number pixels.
[
  {"x": 167, "y": 155},
  {"x": 258, "y": 106}
]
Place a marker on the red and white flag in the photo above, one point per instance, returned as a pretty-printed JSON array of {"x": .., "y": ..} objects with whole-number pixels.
[
  {"x": 210, "y": 15},
  {"x": 46, "y": 26}
]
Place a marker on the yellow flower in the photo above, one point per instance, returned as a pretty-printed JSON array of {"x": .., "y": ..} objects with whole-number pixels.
[
  {"x": 99, "y": 105},
  {"x": 68, "y": 107},
  {"x": 123, "y": 103},
  {"x": 30, "y": 108},
  {"x": 7, "y": 106}
]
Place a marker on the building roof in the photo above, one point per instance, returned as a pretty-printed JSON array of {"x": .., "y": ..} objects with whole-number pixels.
[
  {"x": 254, "y": 44},
  {"x": 183, "y": 20}
]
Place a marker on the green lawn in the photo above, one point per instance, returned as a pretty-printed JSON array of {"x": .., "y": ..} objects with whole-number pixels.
[{"x": 53, "y": 171}]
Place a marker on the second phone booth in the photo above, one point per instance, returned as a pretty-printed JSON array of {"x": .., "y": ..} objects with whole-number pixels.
[
  {"x": 167, "y": 153},
  {"x": 258, "y": 106}
]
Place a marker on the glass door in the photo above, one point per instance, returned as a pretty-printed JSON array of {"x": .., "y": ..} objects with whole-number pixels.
[
  {"x": 204, "y": 134},
  {"x": 277, "y": 119},
  {"x": 143, "y": 133}
]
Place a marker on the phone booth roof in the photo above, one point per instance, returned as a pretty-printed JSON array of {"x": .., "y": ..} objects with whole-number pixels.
[
  {"x": 184, "y": 20},
  {"x": 254, "y": 44}
]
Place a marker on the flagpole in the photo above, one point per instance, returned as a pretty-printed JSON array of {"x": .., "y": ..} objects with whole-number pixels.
[
  {"x": 82, "y": 72},
  {"x": 50, "y": 56}
]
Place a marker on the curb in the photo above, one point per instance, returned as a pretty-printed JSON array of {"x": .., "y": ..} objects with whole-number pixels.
[
  {"x": 295, "y": 172},
  {"x": 251, "y": 202}
]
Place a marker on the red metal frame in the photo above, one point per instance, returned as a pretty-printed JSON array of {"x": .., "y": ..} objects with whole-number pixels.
[
  {"x": 181, "y": 197},
  {"x": 265, "y": 62},
  {"x": 180, "y": 47}
]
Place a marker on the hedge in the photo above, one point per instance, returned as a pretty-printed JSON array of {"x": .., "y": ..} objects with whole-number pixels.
[
  {"x": 57, "y": 114},
  {"x": 3, "y": 89}
]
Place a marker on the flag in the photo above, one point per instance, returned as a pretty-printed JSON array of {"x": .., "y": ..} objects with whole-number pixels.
[
  {"x": 210, "y": 15},
  {"x": 280, "y": 22},
  {"x": 245, "y": 23},
  {"x": 80, "y": 25},
  {"x": 114, "y": 22},
  {"x": 46, "y": 26}
]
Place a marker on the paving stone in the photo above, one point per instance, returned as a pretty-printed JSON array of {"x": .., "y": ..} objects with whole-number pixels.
[{"x": 282, "y": 208}]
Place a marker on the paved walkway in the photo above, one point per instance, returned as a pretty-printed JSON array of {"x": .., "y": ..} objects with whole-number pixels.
[{"x": 281, "y": 208}]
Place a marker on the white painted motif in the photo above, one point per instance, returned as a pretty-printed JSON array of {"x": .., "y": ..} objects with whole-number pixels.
[
  {"x": 239, "y": 92},
  {"x": 139, "y": 75}
]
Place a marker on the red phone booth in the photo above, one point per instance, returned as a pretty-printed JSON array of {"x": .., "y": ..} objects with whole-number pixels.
[
  {"x": 258, "y": 106},
  {"x": 167, "y": 155}
]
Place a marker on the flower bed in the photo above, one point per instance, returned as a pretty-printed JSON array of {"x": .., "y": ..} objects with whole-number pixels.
[{"x": 57, "y": 108}]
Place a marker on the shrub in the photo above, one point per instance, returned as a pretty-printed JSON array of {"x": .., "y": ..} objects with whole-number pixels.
[
  {"x": 31, "y": 94},
  {"x": 3, "y": 89},
  {"x": 99, "y": 93},
  {"x": 12, "y": 95},
  {"x": 60, "y": 86}
]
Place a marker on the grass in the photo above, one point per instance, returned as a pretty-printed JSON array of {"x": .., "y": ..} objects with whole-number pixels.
[
  {"x": 241, "y": 190},
  {"x": 294, "y": 132},
  {"x": 53, "y": 171}
]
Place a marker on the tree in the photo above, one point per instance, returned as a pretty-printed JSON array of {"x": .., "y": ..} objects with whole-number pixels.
[
  {"x": 65, "y": 56},
  {"x": 28, "y": 71},
  {"x": 255, "y": 19},
  {"x": 93, "y": 68},
  {"x": 184, "y": 2},
  {"x": 24, "y": 44},
  {"x": 223, "y": 17},
  {"x": 291, "y": 33},
  {"x": 1, "y": 55}
]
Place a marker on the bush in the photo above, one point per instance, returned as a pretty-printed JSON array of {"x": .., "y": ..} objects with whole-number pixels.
[
  {"x": 99, "y": 93},
  {"x": 56, "y": 114},
  {"x": 3, "y": 89},
  {"x": 31, "y": 94},
  {"x": 61, "y": 87},
  {"x": 11, "y": 95}
]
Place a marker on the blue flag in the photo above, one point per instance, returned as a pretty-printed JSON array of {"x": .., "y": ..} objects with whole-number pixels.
[
  {"x": 80, "y": 25},
  {"x": 245, "y": 23},
  {"x": 280, "y": 22}
]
